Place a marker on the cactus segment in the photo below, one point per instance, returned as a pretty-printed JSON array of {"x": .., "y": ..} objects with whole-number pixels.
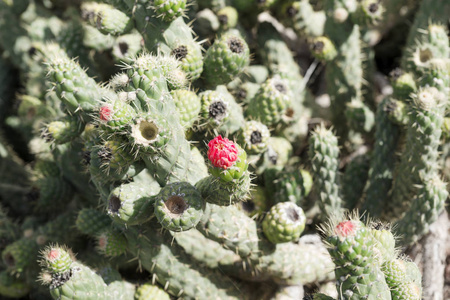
[
  {"x": 324, "y": 154},
  {"x": 229, "y": 48},
  {"x": 179, "y": 206},
  {"x": 131, "y": 203}
]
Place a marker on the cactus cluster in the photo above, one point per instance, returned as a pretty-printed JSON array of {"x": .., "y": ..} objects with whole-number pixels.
[{"x": 173, "y": 149}]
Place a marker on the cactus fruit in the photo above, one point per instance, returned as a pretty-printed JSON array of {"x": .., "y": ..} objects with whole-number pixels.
[{"x": 284, "y": 222}]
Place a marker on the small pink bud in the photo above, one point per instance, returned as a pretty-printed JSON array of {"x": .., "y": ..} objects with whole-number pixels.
[
  {"x": 222, "y": 152},
  {"x": 53, "y": 254},
  {"x": 105, "y": 113},
  {"x": 345, "y": 228}
]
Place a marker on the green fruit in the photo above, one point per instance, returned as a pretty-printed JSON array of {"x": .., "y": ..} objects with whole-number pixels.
[
  {"x": 284, "y": 222},
  {"x": 225, "y": 59}
]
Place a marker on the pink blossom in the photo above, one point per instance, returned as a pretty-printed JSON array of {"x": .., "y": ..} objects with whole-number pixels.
[
  {"x": 105, "y": 113},
  {"x": 222, "y": 152}
]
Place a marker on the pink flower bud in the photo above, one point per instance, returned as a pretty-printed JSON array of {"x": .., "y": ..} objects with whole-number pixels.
[
  {"x": 105, "y": 113},
  {"x": 222, "y": 152}
]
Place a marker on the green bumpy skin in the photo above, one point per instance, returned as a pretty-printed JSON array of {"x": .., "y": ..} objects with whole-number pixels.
[
  {"x": 190, "y": 56},
  {"x": 421, "y": 150},
  {"x": 284, "y": 222},
  {"x": 271, "y": 102},
  {"x": 111, "y": 243},
  {"x": 301, "y": 16},
  {"x": 205, "y": 251},
  {"x": 73, "y": 86},
  {"x": 288, "y": 186},
  {"x": 239, "y": 233},
  {"x": 225, "y": 59},
  {"x": 54, "y": 193},
  {"x": 91, "y": 221},
  {"x": 344, "y": 74},
  {"x": 418, "y": 33},
  {"x": 106, "y": 18},
  {"x": 324, "y": 155},
  {"x": 322, "y": 48},
  {"x": 408, "y": 291},
  {"x": 188, "y": 106},
  {"x": 46, "y": 168},
  {"x": 63, "y": 131},
  {"x": 254, "y": 137},
  {"x": 368, "y": 13},
  {"x": 19, "y": 255},
  {"x": 397, "y": 112},
  {"x": 149, "y": 133},
  {"x": 12, "y": 287},
  {"x": 169, "y": 9},
  {"x": 176, "y": 78},
  {"x": 56, "y": 260},
  {"x": 115, "y": 155},
  {"x": 179, "y": 206},
  {"x": 114, "y": 115},
  {"x": 384, "y": 242},
  {"x": 359, "y": 117},
  {"x": 228, "y": 17},
  {"x": 401, "y": 281},
  {"x": 148, "y": 291},
  {"x": 425, "y": 209},
  {"x": 354, "y": 180},
  {"x": 216, "y": 191},
  {"x": 132, "y": 203},
  {"x": 403, "y": 85},
  {"x": 214, "y": 109},
  {"x": 257, "y": 202},
  {"x": 174, "y": 270},
  {"x": 382, "y": 162},
  {"x": 126, "y": 47},
  {"x": 357, "y": 270},
  {"x": 235, "y": 172}
]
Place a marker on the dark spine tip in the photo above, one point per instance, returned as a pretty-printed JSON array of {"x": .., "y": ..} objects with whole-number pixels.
[
  {"x": 241, "y": 94},
  {"x": 217, "y": 110},
  {"x": 318, "y": 46},
  {"x": 223, "y": 19},
  {"x": 114, "y": 204},
  {"x": 105, "y": 154},
  {"x": 235, "y": 45},
  {"x": 180, "y": 52},
  {"x": 292, "y": 214},
  {"x": 86, "y": 158},
  {"x": 396, "y": 73},
  {"x": 281, "y": 88},
  {"x": 373, "y": 8},
  {"x": 46, "y": 135},
  {"x": 123, "y": 47},
  {"x": 291, "y": 11},
  {"x": 256, "y": 137}
]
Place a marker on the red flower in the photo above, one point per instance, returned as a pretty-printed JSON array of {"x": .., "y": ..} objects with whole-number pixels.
[
  {"x": 105, "y": 113},
  {"x": 222, "y": 152},
  {"x": 345, "y": 228}
]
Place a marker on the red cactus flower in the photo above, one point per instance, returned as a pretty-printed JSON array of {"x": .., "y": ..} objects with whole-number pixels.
[
  {"x": 222, "y": 152},
  {"x": 105, "y": 113},
  {"x": 345, "y": 228}
]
